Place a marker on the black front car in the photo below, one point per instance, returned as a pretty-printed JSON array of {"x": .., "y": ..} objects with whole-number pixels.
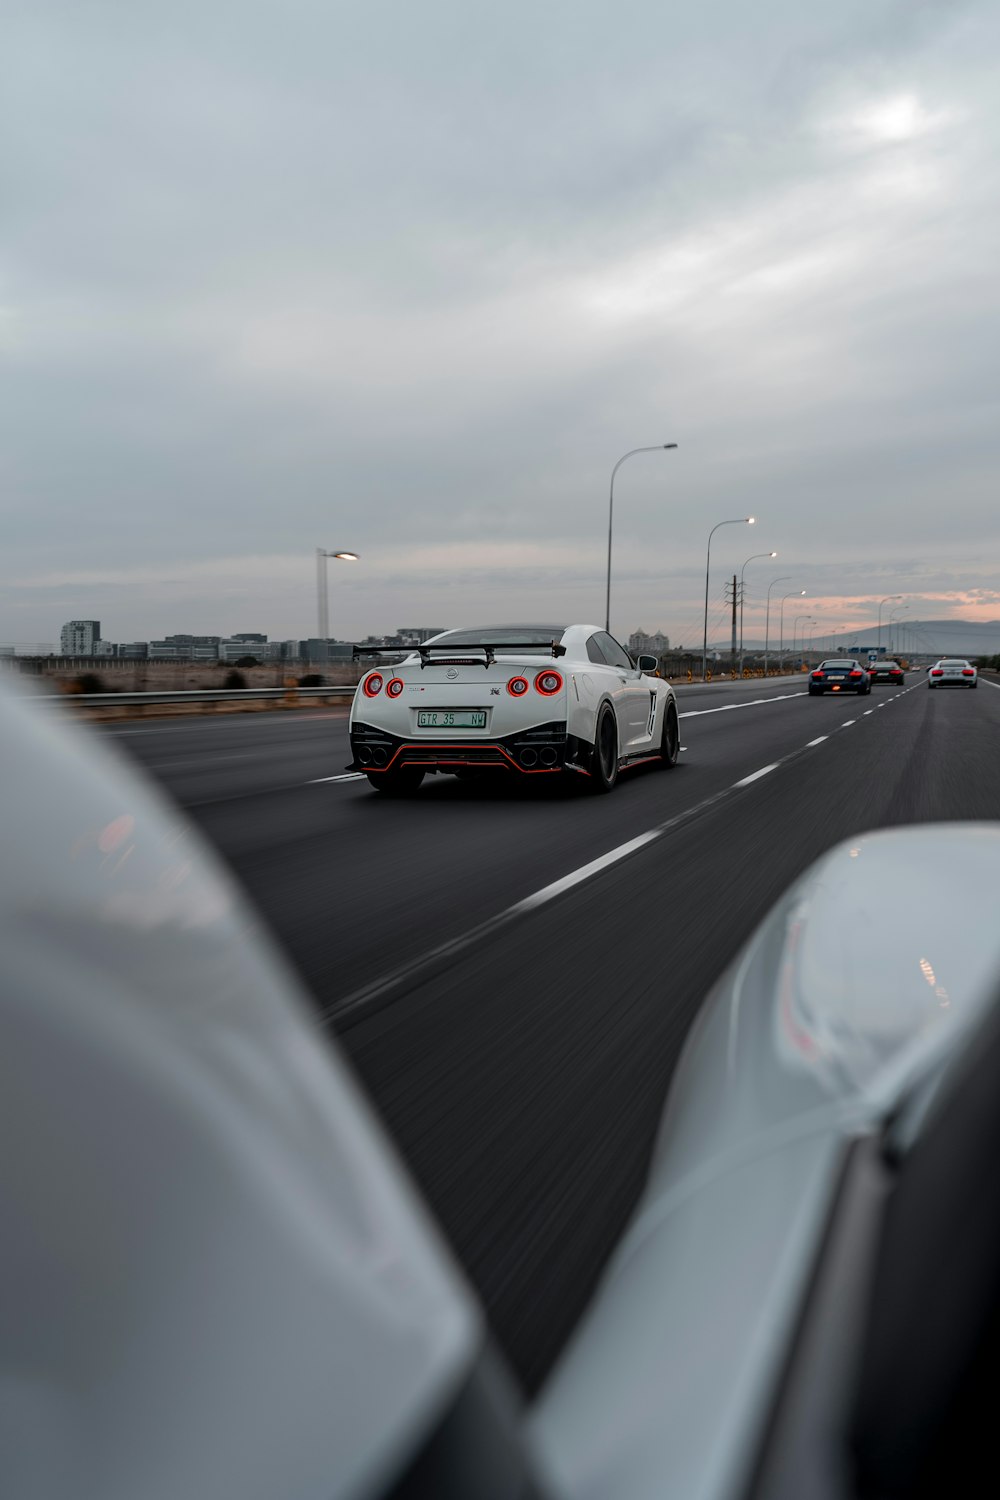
[
  {"x": 839, "y": 677},
  {"x": 886, "y": 671}
]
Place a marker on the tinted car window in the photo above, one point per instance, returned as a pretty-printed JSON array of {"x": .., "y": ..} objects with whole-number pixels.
[
  {"x": 616, "y": 655},
  {"x": 838, "y": 666},
  {"x": 595, "y": 653}
]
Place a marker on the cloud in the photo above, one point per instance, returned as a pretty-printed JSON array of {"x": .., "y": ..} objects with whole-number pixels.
[{"x": 411, "y": 279}]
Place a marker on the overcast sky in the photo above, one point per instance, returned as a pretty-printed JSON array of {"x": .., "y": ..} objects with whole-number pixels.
[{"x": 408, "y": 277}]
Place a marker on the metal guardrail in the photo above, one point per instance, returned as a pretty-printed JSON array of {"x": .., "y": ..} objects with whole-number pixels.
[{"x": 209, "y": 695}]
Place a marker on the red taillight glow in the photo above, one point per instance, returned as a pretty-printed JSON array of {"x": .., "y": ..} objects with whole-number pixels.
[
  {"x": 548, "y": 682},
  {"x": 517, "y": 686},
  {"x": 968, "y": 672},
  {"x": 855, "y": 674},
  {"x": 818, "y": 674},
  {"x": 937, "y": 672},
  {"x": 372, "y": 686},
  {"x": 394, "y": 687}
]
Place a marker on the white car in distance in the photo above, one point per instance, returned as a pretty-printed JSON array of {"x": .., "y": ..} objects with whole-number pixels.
[
  {"x": 952, "y": 671},
  {"x": 523, "y": 700}
]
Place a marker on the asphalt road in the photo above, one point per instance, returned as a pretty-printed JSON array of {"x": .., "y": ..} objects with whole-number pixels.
[{"x": 513, "y": 968}]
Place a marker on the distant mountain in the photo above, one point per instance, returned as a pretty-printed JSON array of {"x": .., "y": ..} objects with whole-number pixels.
[{"x": 922, "y": 637}]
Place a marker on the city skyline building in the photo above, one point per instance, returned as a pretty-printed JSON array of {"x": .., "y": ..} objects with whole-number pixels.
[{"x": 79, "y": 637}]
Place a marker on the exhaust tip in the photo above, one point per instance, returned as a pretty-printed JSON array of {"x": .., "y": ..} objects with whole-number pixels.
[
  {"x": 548, "y": 756},
  {"x": 364, "y": 756},
  {"x": 379, "y": 755},
  {"x": 528, "y": 757}
]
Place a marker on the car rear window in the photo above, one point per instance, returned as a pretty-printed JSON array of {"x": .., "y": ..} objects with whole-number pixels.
[{"x": 837, "y": 666}]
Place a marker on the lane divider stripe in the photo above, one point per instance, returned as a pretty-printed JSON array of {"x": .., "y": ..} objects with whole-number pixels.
[
  {"x": 355, "y": 1006},
  {"x": 756, "y": 775},
  {"x": 694, "y": 713}
]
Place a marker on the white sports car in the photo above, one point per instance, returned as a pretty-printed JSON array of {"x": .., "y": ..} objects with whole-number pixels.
[
  {"x": 532, "y": 700},
  {"x": 952, "y": 671}
]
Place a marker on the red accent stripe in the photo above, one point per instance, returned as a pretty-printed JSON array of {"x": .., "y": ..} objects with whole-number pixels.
[{"x": 450, "y": 761}]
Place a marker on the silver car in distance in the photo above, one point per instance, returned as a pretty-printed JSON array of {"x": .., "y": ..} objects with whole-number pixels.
[{"x": 952, "y": 671}]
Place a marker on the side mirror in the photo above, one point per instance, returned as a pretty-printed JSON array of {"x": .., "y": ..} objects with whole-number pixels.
[{"x": 648, "y": 663}]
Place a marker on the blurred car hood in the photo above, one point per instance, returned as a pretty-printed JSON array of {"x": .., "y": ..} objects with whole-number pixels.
[{"x": 862, "y": 982}]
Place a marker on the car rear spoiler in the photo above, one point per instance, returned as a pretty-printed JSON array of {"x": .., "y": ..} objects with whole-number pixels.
[{"x": 489, "y": 650}]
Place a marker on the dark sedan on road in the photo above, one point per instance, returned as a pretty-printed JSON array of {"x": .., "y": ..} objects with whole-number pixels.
[
  {"x": 886, "y": 671},
  {"x": 839, "y": 675}
]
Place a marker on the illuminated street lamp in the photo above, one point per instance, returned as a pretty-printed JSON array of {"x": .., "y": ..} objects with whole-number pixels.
[
  {"x": 322, "y": 601},
  {"x": 739, "y": 521},
  {"x": 655, "y": 448},
  {"x": 742, "y": 570}
]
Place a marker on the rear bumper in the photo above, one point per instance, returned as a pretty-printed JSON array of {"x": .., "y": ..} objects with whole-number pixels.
[
  {"x": 837, "y": 687},
  {"x": 546, "y": 749}
]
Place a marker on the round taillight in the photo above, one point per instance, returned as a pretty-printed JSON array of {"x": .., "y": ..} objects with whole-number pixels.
[
  {"x": 372, "y": 686},
  {"x": 517, "y": 686},
  {"x": 394, "y": 687},
  {"x": 548, "y": 682}
]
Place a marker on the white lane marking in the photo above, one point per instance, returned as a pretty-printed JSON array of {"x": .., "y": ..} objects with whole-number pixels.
[
  {"x": 847, "y": 723},
  {"x": 755, "y": 775},
  {"x": 408, "y": 972},
  {"x": 549, "y": 892},
  {"x": 989, "y": 683},
  {"x": 867, "y": 712},
  {"x": 349, "y": 776},
  {"x": 810, "y": 743},
  {"x": 694, "y": 713}
]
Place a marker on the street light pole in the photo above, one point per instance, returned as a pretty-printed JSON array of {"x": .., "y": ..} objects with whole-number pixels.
[
  {"x": 894, "y": 614},
  {"x": 322, "y": 599},
  {"x": 742, "y": 570},
  {"x": 794, "y": 593},
  {"x": 767, "y": 618},
  {"x": 655, "y": 448},
  {"x": 739, "y": 521},
  {"x": 881, "y": 602},
  {"x": 795, "y": 629}
]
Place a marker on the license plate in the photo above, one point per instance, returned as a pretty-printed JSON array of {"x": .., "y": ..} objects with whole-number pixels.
[
  {"x": 451, "y": 718},
  {"x": 836, "y": 676}
]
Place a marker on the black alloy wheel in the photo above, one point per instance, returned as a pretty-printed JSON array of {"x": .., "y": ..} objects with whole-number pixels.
[
  {"x": 401, "y": 783},
  {"x": 670, "y": 741},
  {"x": 604, "y": 762}
]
